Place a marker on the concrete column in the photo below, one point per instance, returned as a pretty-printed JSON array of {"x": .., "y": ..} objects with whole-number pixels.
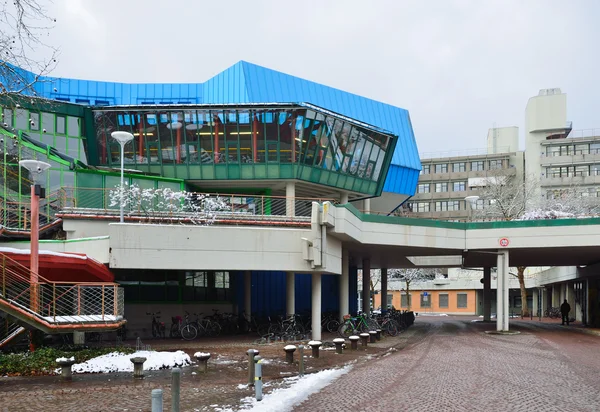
[
  {"x": 487, "y": 294},
  {"x": 343, "y": 198},
  {"x": 384, "y": 286},
  {"x": 534, "y": 306},
  {"x": 502, "y": 308},
  {"x": 316, "y": 306},
  {"x": 290, "y": 293},
  {"x": 345, "y": 285},
  {"x": 248, "y": 293},
  {"x": 367, "y": 206},
  {"x": 366, "y": 293},
  {"x": 290, "y": 202}
]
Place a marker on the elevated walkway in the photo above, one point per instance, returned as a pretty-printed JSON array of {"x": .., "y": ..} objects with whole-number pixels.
[{"x": 58, "y": 307}]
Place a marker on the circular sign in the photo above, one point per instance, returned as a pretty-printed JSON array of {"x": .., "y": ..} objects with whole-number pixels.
[{"x": 504, "y": 242}]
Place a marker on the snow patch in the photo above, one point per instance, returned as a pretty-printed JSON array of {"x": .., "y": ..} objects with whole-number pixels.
[
  {"x": 72, "y": 358},
  {"x": 120, "y": 362}
]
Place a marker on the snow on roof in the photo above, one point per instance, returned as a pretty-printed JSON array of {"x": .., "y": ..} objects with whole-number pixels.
[{"x": 42, "y": 252}]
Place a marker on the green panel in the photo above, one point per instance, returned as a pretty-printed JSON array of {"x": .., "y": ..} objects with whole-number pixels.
[
  {"x": 247, "y": 172},
  {"x": 89, "y": 192},
  {"x": 286, "y": 171},
  {"x": 272, "y": 171},
  {"x": 171, "y": 185},
  {"x": 221, "y": 172},
  {"x": 207, "y": 172},
  {"x": 305, "y": 173},
  {"x": 233, "y": 172},
  {"x": 260, "y": 171},
  {"x": 332, "y": 178}
]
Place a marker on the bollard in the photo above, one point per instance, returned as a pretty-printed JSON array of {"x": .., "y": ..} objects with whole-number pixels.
[
  {"x": 258, "y": 378},
  {"x": 251, "y": 353},
  {"x": 157, "y": 400},
  {"x": 364, "y": 339},
  {"x": 289, "y": 353},
  {"x": 372, "y": 336},
  {"x": 65, "y": 365},
  {"x": 315, "y": 345},
  {"x": 301, "y": 360},
  {"x": 354, "y": 342},
  {"x": 339, "y": 343},
  {"x": 138, "y": 366},
  {"x": 202, "y": 359},
  {"x": 175, "y": 389},
  {"x": 378, "y": 335}
]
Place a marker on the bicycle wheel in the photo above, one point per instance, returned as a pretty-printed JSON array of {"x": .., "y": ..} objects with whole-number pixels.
[
  {"x": 346, "y": 329},
  {"x": 175, "y": 331},
  {"x": 189, "y": 332},
  {"x": 212, "y": 328},
  {"x": 372, "y": 324},
  {"x": 333, "y": 325},
  {"x": 390, "y": 328}
]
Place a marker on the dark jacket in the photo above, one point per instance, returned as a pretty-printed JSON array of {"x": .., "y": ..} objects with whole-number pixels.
[{"x": 565, "y": 308}]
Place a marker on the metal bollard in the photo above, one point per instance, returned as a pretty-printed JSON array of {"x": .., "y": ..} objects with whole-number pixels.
[
  {"x": 378, "y": 335},
  {"x": 289, "y": 353},
  {"x": 251, "y": 353},
  {"x": 364, "y": 339},
  {"x": 339, "y": 344},
  {"x": 301, "y": 360},
  {"x": 354, "y": 342},
  {"x": 202, "y": 359},
  {"x": 157, "y": 400},
  {"x": 315, "y": 345},
  {"x": 258, "y": 379},
  {"x": 138, "y": 366},
  {"x": 372, "y": 336},
  {"x": 175, "y": 389},
  {"x": 65, "y": 365}
]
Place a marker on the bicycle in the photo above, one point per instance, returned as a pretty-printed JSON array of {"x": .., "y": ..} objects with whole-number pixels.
[
  {"x": 354, "y": 324},
  {"x": 286, "y": 328},
  {"x": 158, "y": 328},
  {"x": 188, "y": 330}
]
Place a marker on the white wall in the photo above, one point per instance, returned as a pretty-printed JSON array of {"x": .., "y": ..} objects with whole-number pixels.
[
  {"x": 94, "y": 248},
  {"x": 80, "y": 228},
  {"x": 503, "y": 140}
]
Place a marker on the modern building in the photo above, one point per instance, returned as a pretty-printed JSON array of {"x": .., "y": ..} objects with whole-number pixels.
[{"x": 263, "y": 142}]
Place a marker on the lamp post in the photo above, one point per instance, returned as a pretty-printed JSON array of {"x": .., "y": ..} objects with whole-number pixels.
[
  {"x": 123, "y": 138},
  {"x": 471, "y": 200},
  {"x": 36, "y": 168}
]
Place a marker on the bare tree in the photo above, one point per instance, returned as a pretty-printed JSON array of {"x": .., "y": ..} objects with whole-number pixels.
[
  {"x": 23, "y": 24},
  {"x": 413, "y": 275},
  {"x": 510, "y": 198}
]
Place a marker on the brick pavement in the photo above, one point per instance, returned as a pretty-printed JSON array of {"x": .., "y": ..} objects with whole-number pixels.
[{"x": 457, "y": 367}]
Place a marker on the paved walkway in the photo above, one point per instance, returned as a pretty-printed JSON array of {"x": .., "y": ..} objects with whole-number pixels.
[{"x": 456, "y": 366}]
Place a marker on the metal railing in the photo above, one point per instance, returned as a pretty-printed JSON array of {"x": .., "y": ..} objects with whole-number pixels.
[
  {"x": 480, "y": 151},
  {"x": 59, "y": 303},
  {"x": 16, "y": 215},
  {"x": 180, "y": 207}
]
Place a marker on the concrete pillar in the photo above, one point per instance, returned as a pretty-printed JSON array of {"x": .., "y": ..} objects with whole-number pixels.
[
  {"x": 384, "y": 284},
  {"x": 535, "y": 305},
  {"x": 316, "y": 306},
  {"x": 502, "y": 308},
  {"x": 487, "y": 294},
  {"x": 290, "y": 293},
  {"x": 345, "y": 285},
  {"x": 343, "y": 198},
  {"x": 248, "y": 293},
  {"x": 290, "y": 202},
  {"x": 366, "y": 279},
  {"x": 367, "y": 206},
  {"x": 79, "y": 338}
]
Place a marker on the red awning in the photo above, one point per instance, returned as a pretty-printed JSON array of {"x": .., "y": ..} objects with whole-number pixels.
[{"x": 65, "y": 267}]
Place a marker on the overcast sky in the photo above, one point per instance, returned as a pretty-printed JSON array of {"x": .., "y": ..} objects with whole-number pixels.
[{"x": 459, "y": 67}]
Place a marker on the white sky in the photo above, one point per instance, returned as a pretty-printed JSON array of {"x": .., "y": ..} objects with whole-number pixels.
[{"x": 459, "y": 67}]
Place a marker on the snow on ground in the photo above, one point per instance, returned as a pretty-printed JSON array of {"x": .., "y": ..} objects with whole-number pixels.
[
  {"x": 120, "y": 362},
  {"x": 284, "y": 399}
]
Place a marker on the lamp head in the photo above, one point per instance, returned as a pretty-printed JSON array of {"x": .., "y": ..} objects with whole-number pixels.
[
  {"x": 174, "y": 125},
  {"x": 472, "y": 199},
  {"x": 122, "y": 137}
]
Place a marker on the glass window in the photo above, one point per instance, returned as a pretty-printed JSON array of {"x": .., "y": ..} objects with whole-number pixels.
[
  {"x": 459, "y": 167},
  {"x": 441, "y": 206},
  {"x": 441, "y": 168},
  {"x": 7, "y": 118},
  {"x": 441, "y": 187},
  {"x": 48, "y": 123},
  {"x": 595, "y": 170},
  {"x": 73, "y": 126},
  {"x": 479, "y": 204},
  {"x": 454, "y": 205},
  {"x": 21, "y": 119},
  {"x": 552, "y": 151},
  {"x": 461, "y": 300},
  {"x": 34, "y": 121},
  {"x": 425, "y": 169},
  {"x": 459, "y": 186},
  {"x": 581, "y": 149},
  {"x": 61, "y": 124},
  {"x": 443, "y": 300},
  {"x": 582, "y": 170},
  {"x": 566, "y": 150},
  {"x": 595, "y": 148},
  {"x": 222, "y": 280},
  {"x": 477, "y": 166},
  {"x": 423, "y": 188},
  {"x": 422, "y": 207},
  {"x": 495, "y": 164},
  {"x": 405, "y": 300}
]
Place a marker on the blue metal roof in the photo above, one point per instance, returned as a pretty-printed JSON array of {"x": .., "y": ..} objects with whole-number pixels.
[{"x": 249, "y": 83}]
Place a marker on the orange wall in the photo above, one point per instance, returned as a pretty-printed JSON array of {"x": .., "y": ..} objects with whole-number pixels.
[{"x": 435, "y": 300}]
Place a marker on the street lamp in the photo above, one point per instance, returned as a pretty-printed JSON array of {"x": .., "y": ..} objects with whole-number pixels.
[
  {"x": 123, "y": 138},
  {"x": 471, "y": 200},
  {"x": 36, "y": 168}
]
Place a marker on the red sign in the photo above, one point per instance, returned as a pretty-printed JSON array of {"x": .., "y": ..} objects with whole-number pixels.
[{"x": 504, "y": 242}]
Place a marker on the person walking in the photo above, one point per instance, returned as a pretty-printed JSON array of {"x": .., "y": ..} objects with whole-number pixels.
[{"x": 565, "y": 308}]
